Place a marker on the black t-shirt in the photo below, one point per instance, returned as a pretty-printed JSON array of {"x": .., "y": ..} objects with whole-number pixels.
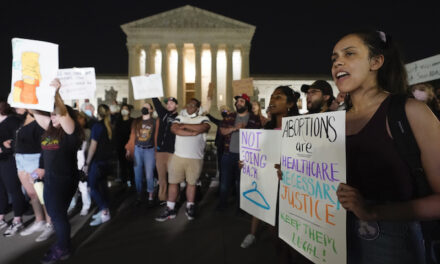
[
  {"x": 122, "y": 132},
  {"x": 59, "y": 156},
  {"x": 7, "y": 131},
  {"x": 104, "y": 148},
  {"x": 28, "y": 140}
]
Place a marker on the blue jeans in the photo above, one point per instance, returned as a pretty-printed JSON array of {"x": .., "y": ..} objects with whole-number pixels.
[
  {"x": 230, "y": 175},
  {"x": 395, "y": 242},
  {"x": 58, "y": 192},
  {"x": 97, "y": 181},
  {"x": 144, "y": 158}
]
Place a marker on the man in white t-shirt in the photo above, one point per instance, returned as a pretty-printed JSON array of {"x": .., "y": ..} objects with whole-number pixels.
[{"x": 187, "y": 161}]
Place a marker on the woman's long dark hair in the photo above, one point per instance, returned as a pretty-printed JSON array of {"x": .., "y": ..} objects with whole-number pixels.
[
  {"x": 392, "y": 76},
  {"x": 58, "y": 132},
  {"x": 292, "y": 97}
]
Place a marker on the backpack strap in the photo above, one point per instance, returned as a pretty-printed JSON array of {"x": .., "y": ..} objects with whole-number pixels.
[{"x": 406, "y": 143}]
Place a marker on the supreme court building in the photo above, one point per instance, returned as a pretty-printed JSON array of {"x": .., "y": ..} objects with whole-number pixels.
[{"x": 197, "y": 53}]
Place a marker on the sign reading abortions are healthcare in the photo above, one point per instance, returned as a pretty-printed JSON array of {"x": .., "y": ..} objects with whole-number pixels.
[
  {"x": 148, "y": 86},
  {"x": 34, "y": 66},
  {"x": 259, "y": 151},
  {"x": 77, "y": 83},
  {"x": 311, "y": 219}
]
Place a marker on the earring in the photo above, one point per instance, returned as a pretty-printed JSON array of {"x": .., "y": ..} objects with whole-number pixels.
[{"x": 288, "y": 109}]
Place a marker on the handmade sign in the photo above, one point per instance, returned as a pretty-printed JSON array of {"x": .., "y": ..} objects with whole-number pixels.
[
  {"x": 77, "y": 83},
  {"x": 34, "y": 66},
  {"x": 424, "y": 70},
  {"x": 147, "y": 86},
  {"x": 311, "y": 219},
  {"x": 240, "y": 87},
  {"x": 259, "y": 151}
]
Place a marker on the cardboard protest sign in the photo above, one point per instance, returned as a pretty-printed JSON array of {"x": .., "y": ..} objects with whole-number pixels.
[
  {"x": 311, "y": 220},
  {"x": 34, "y": 66},
  {"x": 424, "y": 70},
  {"x": 77, "y": 83},
  {"x": 147, "y": 86},
  {"x": 240, "y": 87},
  {"x": 259, "y": 151}
]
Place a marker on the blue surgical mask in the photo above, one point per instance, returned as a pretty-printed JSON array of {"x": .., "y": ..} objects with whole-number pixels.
[{"x": 88, "y": 113}]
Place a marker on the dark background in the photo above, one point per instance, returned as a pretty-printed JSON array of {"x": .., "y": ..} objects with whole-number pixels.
[{"x": 291, "y": 37}]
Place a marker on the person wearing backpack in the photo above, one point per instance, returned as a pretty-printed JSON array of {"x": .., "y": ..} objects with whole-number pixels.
[{"x": 384, "y": 211}]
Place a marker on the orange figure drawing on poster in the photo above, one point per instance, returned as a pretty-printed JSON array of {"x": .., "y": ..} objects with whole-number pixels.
[{"x": 25, "y": 90}]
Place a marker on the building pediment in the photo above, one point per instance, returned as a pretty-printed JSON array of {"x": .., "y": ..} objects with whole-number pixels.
[{"x": 187, "y": 17}]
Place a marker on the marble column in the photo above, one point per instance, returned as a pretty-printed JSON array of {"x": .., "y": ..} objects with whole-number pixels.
[
  {"x": 229, "y": 93},
  {"x": 165, "y": 69},
  {"x": 151, "y": 55},
  {"x": 133, "y": 69},
  {"x": 245, "y": 49},
  {"x": 214, "y": 104},
  {"x": 180, "y": 75},
  {"x": 198, "y": 64}
]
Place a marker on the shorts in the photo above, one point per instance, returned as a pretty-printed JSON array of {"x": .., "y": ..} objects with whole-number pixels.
[
  {"x": 180, "y": 169},
  {"x": 27, "y": 162}
]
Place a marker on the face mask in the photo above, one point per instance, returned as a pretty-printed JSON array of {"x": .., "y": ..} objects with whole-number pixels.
[
  {"x": 88, "y": 113},
  {"x": 22, "y": 116},
  {"x": 420, "y": 95},
  {"x": 144, "y": 111},
  {"x": 124, "y": 112},
  {"x": 224, "y": 114}
]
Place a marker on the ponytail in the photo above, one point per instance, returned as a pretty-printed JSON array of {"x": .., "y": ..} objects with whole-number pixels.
[{"x": 104, "y": 114}]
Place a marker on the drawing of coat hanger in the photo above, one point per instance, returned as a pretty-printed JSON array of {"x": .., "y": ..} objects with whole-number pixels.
[{"x": 254, "y": 190}]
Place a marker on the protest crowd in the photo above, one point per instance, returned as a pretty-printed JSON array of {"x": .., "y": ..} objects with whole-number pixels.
[{"x": 52, "y": 162}]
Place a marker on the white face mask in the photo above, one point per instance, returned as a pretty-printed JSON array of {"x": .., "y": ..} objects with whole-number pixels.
[
  {"x": 420, "y": 95},
  {"x": 114, "y": 108},
  {"x": 124, "y": 112}
]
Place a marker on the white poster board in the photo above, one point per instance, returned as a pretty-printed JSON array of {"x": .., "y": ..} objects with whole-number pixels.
[
  {"x": 34, "y": 66},
  {"x": 147, "y": 86},
  {"x": 77, "y": 83},
  {"x": 423, "y": 70},
  {"x": 311, "y": 220},
  {"x": 259, "y": 151}
]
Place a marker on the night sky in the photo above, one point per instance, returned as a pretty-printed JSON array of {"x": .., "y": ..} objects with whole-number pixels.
[{"x": 295, "y": 40}]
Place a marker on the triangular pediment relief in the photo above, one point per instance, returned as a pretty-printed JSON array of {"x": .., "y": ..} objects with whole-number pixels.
[{"x": 187, "y": 17}]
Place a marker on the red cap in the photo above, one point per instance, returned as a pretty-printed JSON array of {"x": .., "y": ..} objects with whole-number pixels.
[{"x": 244, "y": 96}]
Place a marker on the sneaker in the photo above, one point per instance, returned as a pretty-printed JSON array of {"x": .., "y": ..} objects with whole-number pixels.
[
  {"x": 3, "y": 224},
  {"x": 150, "y": 203},
  {"x": 54, "y": 254},
  {"x": 35, "y": 227},
  {"x": 166, "y": 214},
  {"x": 100, "y": 220},
  {"x": 248, "y": 241},
  {"x": 84, "y": 211},
  {"x": 48, "y": 231},
  {"x": 13, "y": 229},
  {"x": 190, "y": 212},
  {"x": 98, "y": 214}
]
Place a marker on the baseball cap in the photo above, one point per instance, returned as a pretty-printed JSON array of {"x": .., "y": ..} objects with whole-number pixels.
[
  {"x": 244, "y": 96},
  {"x": 322, "y": 85},
  {"x": 171, "y": 99}
]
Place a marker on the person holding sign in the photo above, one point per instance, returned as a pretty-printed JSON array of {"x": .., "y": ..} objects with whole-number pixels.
[
  {"x": 60, "y": 143},
  {"x": 229, "y": 127},
  {"x": 382, "y": 223}
]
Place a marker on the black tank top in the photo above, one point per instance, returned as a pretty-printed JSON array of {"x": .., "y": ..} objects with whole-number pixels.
[{"x": 373, "y": 164}]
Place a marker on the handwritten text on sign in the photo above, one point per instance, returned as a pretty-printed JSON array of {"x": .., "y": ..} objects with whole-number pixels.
[
  {"x": 77, "y": 83},
  {"x": 259, "y": 151},
  {"x": 311, "y": 219},
  {"x": 423, "y": 70}
]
